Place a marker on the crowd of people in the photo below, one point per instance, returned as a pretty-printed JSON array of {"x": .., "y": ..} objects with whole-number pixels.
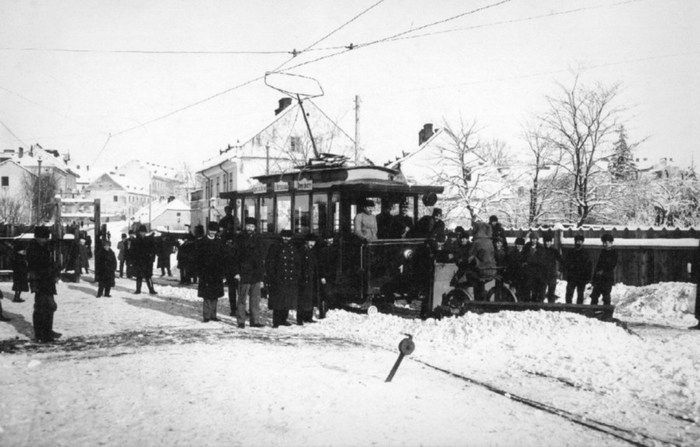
[{"x": 295, "y": 272}]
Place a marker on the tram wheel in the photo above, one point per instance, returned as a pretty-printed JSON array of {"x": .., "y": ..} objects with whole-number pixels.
[
  {"x": 501, "y": 293},
  {"x": 456, "y": 300}
]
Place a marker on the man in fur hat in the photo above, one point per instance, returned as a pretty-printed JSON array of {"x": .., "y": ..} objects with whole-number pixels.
[
  {"x": 577, "y": 266},
  {"x": 43, "y": 274},
  {"x": 143, "y": 254},
  {"x": 249, "y": 268}
]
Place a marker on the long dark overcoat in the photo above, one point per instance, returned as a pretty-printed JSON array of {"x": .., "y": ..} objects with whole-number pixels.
[
  {"x": 309, "y": 279},
  {"x": 283, "y": 267},
  {"x": 142, "y": 253},
  {"x": 249, "y": 258},
  {"x": 209, "y": 257},
  {"x": 105, "y": 265},
  {"x": 20, "y": 271},
  {"x": 578, "y": 266}
]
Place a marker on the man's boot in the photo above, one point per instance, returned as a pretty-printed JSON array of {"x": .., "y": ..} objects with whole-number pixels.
[
  {"x": 149, "y": 283},
  {"x": 138, "y": 285},
  {"x": 17, "y": 299}
]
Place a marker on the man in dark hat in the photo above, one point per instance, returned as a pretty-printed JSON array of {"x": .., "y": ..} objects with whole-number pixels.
[
  {"x": 210, "y": 252},
  {"x": 143, "y": 254},
  {"x": 497, "y": 231},
  {"x": 402, "y": 223},
  {"x": 552, "y": 259},
  {"x": 430, "y": 226},
  {"x": 283, "y": 272},
  {"x": 310, "y": 280},
  {"x": 517, "y": 270},
  {"x": 228, "y": 224},
  {"x": 577, "y": 266},
  {"x": 366, "y": 223},
  {"x": 43, "y": 274},
  {"x": 249, "y": 269},
  {"x": 604, "y": 272}
]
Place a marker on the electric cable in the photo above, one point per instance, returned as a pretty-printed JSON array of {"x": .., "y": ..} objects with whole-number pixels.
[{"x": 13, "y": 134}]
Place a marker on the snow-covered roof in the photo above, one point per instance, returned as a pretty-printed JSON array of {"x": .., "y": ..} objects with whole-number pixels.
[
  {"x": 126, "y": 183},
  {"x": 156, "y": 209}
]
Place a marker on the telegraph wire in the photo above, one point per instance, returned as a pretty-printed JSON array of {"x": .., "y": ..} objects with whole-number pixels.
[
  {"x": 165, "y": 52},
  {"x": 506, "y": 22},
  {"x": 352, "y": 47},
  {"x": 309, "y": 47},
  {"x": 13, "y": 134}
]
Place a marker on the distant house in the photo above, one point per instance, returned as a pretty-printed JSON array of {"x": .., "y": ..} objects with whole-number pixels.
[
  {"x": 434, "y": 159},
  {"x": 119, "y": 195},
  {"x": 16, "y": 168},
  {"x": 172, "y": 215},
  {"x": 280, "y": 145},
  {"x": 165, "y": 181}
]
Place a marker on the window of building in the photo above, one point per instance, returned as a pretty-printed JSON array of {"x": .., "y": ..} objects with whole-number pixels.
[
  {"x": 5, "y": 181},
  {"x": 295, "y": 144},
  {"x": 115, "y": 199}
]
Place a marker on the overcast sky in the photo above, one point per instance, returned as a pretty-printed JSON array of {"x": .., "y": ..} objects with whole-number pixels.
[{"x": 174, "y": 81}]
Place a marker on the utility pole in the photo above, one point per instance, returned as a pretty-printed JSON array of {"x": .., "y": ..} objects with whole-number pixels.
[
  {"x": 38, "y": 195},
  {"x": 357, "y": 128}
]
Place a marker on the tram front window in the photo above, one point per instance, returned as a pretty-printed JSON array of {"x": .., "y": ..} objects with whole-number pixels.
[
  {"x": 267, "y": 218},
  {"x": 319, "y": 214},
  {"x": 248, "y": 208},
  {"x": 284, "y": 212},
  {"x": 302, "y": 220}
]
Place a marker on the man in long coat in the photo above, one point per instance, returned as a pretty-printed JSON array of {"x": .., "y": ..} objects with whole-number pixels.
[
  {"x": 142, "y": 252},
  {"x": 43, "y": 274},
  {"x": 310, "y": 280},
  {"x": 604, "y": 273},
  {"x": 577, "y": 266},
  {"x": 249, "y": 268},
  {"x": 105, "y": 266},
  {"x": 283, "y": 271},
  {"x": 210, "y": 252}
]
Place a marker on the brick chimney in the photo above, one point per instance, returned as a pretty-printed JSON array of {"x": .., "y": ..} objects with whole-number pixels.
[
  {"x": 425, "y": 133},
  {"x": 283, "y": 104},
  {"x": 21, "y": 152}
]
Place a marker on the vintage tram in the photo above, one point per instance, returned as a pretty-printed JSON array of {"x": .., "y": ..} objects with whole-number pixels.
[{"x": 323, "y": 198}]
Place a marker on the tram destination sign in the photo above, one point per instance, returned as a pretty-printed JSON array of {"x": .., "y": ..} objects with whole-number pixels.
[
  {"x": 281, "y": 186},
  {"x": 303, "y": 185},
  {"x": 260, "y": 188}
]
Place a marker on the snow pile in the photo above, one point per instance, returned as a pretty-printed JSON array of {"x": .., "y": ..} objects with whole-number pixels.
[{"x": 667, "y": 302}]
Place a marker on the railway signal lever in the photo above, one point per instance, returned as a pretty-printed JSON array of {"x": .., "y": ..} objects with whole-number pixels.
[{"x": 406, "y": 347}]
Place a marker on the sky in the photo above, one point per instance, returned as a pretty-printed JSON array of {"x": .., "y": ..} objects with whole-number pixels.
[{"x": 173, "y": 82}]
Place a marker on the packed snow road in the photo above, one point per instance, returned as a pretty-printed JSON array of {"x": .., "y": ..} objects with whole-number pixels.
[{"x": 140, "y": 369}]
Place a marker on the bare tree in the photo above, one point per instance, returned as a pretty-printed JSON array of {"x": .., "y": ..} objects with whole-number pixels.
[
  {"x": 11, "y": 210},
  {"x": 40, "y": 192},
  {"x": 470, "y": 171},
  {"x": 543, "y": 170},
  {"x": 578, "y": 124}
]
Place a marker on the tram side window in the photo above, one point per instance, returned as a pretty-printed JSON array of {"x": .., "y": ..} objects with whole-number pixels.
[
  {"x": 267, "y": 217},
  {"x": 284, "y": 213},
  {"x": 248, "y": 208},
  {"x": 302, "y": 218},
  {"x": 335, "y": 209},
  {"x": 319, "y": 214}
]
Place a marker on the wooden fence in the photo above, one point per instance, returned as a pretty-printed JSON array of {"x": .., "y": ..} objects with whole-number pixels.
[{"x": 645, "y": 256}]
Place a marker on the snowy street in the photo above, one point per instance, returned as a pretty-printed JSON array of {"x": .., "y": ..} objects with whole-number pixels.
[{"x": 141, "y": 369}]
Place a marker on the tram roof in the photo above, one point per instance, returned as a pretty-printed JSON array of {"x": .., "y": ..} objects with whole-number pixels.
[{"x": 357, "y": 179}]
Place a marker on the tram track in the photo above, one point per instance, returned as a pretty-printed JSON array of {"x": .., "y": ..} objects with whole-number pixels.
[{"x": 636, "y": 438}]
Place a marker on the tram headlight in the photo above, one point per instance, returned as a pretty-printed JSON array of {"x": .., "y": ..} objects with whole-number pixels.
[{"x": 408, "y": 254}]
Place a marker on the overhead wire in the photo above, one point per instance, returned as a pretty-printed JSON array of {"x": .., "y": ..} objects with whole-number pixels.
[
  {"x": 166, "y": 52},
  {"x": 394, "y": 36},
  {"x": 12, "y": 133}
]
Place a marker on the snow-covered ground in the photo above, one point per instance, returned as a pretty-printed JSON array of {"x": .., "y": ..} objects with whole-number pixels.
[{"x": 144, "y": 370}]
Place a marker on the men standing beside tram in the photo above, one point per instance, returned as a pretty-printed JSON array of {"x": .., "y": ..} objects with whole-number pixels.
[
  {"x": 536, "y": 268},
  {"x": 228, "y": 226},
  {"x": 366, "y": 223},
  {"x": 143, "y": 252},
  {"x": 310, "y": 281},
  {"x": 210, "y": 253},
  {"x": 283, "y": 272},
  {"x": 552, "y": 259},
  {"x": 249, "y": 272},
  {"x": 604, "y": 272},
  {"x": 43, "y": 274},
  {"x": 517, "y": 270},
  {"x": 577, "y": 266}
]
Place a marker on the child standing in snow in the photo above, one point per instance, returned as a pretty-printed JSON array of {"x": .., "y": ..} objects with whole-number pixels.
[
  {"x": 20, "y": 271},
  {"x": 105, "y": 266}
]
